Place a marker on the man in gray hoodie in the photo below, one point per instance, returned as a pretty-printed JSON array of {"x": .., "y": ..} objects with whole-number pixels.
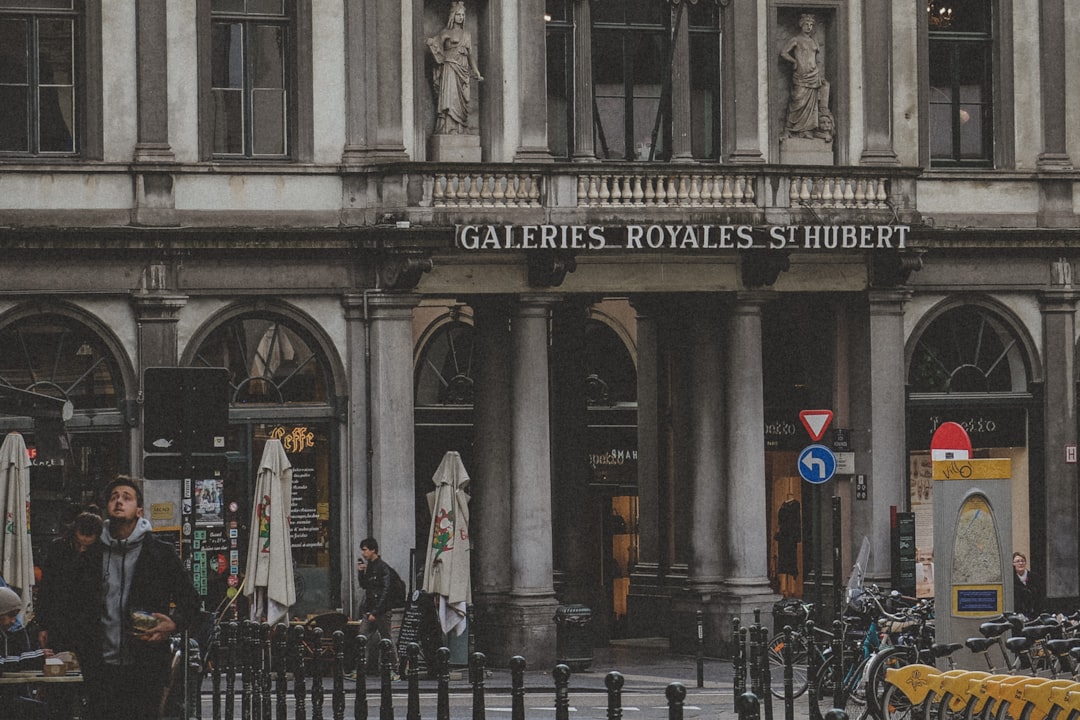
[{"x": 141, "y": 597}]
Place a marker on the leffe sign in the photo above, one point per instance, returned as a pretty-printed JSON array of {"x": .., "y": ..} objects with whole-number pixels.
[{"x": 668, "y": 237}]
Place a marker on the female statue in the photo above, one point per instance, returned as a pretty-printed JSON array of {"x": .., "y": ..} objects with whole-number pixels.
[
  {"x": 809, "y": 90},
  {"x": 454, "y": 67}
]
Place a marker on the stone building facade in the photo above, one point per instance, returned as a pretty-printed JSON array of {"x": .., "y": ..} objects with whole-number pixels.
[{"x": 612, "y": 295}]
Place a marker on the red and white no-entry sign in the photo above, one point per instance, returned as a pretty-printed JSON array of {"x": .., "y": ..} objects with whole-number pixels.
[
  {"x": 816, "y": 422},
  {"x": 950, "y": 442}
]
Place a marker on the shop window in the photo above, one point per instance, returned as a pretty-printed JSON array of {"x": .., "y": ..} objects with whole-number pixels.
[
  {"x": 961, "y": 108},
  {"x": 41, "y": 88},
  {"x": 269, "y": 360},
  {"x": 255, "y": 64}
]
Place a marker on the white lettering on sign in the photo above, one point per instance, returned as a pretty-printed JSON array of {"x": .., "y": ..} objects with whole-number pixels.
[{"x": 681, "y": 237}]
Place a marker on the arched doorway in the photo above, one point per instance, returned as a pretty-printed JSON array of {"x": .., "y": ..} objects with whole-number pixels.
[
  {"x": 59, "y": 354},
  {"x": 972, "y": 364},
  {"x": 282, "y": 387}
]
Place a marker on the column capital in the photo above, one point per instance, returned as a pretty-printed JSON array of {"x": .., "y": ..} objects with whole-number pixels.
[
  {"x": 1061, "y": 300},
  {"x": 888, "y": 302},
  {"x": 538, "y": 300},
  {"x": 379, "y": 304},
  {"x": 157, "y": 307},
  {"x": 752, "y": 301}
]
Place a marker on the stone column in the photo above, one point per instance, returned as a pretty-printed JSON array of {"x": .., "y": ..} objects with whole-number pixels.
[
  {"x": 645, "y": 602},
  {"x": 156, "y": 311},
  {"x": 532, "y": 81},
  {"x": 881, "y": 449},
  {"x": 1059, "y": 335},
  {"x": 584, "y": 133},
  {"x": 529, "y": 629},
  {"x": 489, "y": 509},
  {"x": 152, "y": 82},
  {"x": 155, "y": 201},
  {"x": 681, "y": 149},
  {"x": 1052, "y": 54},
  {"x": 575, "y": 550},
  {"x": 355, "y": 477},
  {"x": 746, "y": 587},
  {"x": 741, "y": 103},
  {"x": 393, "y": 455},
  {"x": 707, "y": 514},
  {"x": 877, "y": 83},
  {"x": 374, "y": 129}
]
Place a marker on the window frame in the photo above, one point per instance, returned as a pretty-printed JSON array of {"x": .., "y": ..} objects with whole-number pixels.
[
  {"x": 86, "y": 130},
  {"x": 999, "y": 140},
  {"x": 299, "y": 132}
]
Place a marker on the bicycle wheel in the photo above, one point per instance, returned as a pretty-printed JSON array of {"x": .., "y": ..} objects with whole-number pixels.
[
  {"x": 853, "y": 685},
  {"x": 896, "y": 706},
  {"x": 799, "y": 659},
  {"x": 881, "y": 662}
]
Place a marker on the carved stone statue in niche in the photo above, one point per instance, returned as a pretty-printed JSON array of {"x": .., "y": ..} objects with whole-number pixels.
[
  {"x": 455, "y": 65},
  {"x": 808, "y": 121}
]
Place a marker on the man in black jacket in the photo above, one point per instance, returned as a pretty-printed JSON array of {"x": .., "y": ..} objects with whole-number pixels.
[
  {"x": 140, "y": 596},
  {"x": 375, "y": 579}
]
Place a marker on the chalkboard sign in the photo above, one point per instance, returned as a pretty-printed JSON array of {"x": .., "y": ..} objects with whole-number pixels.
[{"x": 420, "y": 625}]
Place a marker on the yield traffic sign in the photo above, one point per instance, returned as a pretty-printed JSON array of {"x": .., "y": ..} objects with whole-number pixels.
[
  {"x": 817, "y": 464},
  {"x": 816, "y": 422}
]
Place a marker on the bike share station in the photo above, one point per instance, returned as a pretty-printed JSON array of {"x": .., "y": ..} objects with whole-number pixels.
[{"x": 972, "y": 535}]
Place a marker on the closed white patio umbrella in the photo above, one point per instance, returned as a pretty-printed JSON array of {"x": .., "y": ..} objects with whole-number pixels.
[
  {"x": 447, "y": 568},
  {"x": 269, "y": 579},
  {"x": 16, "y": 553}
]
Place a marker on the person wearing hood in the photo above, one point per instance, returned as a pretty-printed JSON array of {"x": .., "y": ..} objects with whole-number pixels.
[
  {"x": 17, "y": 649},
  {"x": 139, "y": 599}
]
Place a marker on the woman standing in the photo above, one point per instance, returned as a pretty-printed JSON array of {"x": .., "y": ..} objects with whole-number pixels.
[
  {"x": 455, "y": 65},
  {"x": 1027, "y": 595}
]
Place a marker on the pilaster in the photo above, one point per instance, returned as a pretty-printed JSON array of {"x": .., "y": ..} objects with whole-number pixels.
[{"x": 877, "y": 83}]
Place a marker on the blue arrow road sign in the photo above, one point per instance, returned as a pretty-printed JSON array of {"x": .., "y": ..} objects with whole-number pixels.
[{"x": 817, "y": 464}]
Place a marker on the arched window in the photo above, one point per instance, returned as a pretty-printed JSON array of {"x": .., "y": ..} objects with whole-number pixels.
[
  {"x": 447, "y": 363},
  {"x": 968, "y": 350},
  {"x": 611, "y": 377},
  {"x": 270, "y": 361},
  {"x": 59, "y": 357}
]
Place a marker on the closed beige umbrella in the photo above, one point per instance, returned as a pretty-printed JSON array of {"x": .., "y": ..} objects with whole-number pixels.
[
  {"x": 446, "y": 570},
  {"x": 269, "y": 581},
  {"x": 16, "y": 553}
]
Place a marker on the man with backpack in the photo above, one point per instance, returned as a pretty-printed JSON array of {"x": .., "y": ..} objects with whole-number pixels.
[{"x": 383, "y": 591}]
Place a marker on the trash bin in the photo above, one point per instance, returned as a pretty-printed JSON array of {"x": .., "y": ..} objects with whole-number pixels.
[{"x": 573, "y": 636}]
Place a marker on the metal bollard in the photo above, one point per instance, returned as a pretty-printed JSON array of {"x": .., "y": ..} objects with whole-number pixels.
[
  {"x": 412, "y": 652},
  {"x": 561, "y": 673},
  {"x": 748, "y": 706},
  {"x": 317, "y": 692},
  {"x": 264, "y": 672},
  {"x": 442, "y": 703},
  {"x": 812, "y": 657},
  {"x": 337, "y": 703},
  {"x": 281, "y": 645},
  {"x": 386, "y": 667},
  {"x": 299, "y": 670},
  {"x": 477, "y": 668},
  {"x": 753, "y": 659},
  {"x": 839, "y": 698},
  {"x": 738, "y": 659},
  {"x": 217, "y": 657},
  {"x": 360, "y": 709},
  {"x": 517, "y": 688},
  {"x": 246, "y": 677},
  {"x": 614, "y": 684},
  {"x": 700, "y": 649},
  {"x": 789, "y": 676},
  {"x": 676, "y": 698},
  {"x": 766, "y": 673},
  {"x": 741, "y": 669}
]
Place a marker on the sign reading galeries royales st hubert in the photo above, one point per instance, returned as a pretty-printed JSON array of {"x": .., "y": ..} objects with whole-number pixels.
[{"x": 677, "y": 237}]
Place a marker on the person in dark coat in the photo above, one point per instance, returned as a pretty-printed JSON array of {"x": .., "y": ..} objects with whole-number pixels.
[
  {"x": 60, "y": 609},
  {"x": 1027, "y": 592},
  {"x": 374, "y": 577},
  {"x": 788, "y": 536},
  {"x": 139, "y": 595},
  {"x": 17, "y": 651}
]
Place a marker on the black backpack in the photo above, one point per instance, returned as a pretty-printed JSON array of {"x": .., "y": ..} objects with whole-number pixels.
[{"x": 397, "y": 589}]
